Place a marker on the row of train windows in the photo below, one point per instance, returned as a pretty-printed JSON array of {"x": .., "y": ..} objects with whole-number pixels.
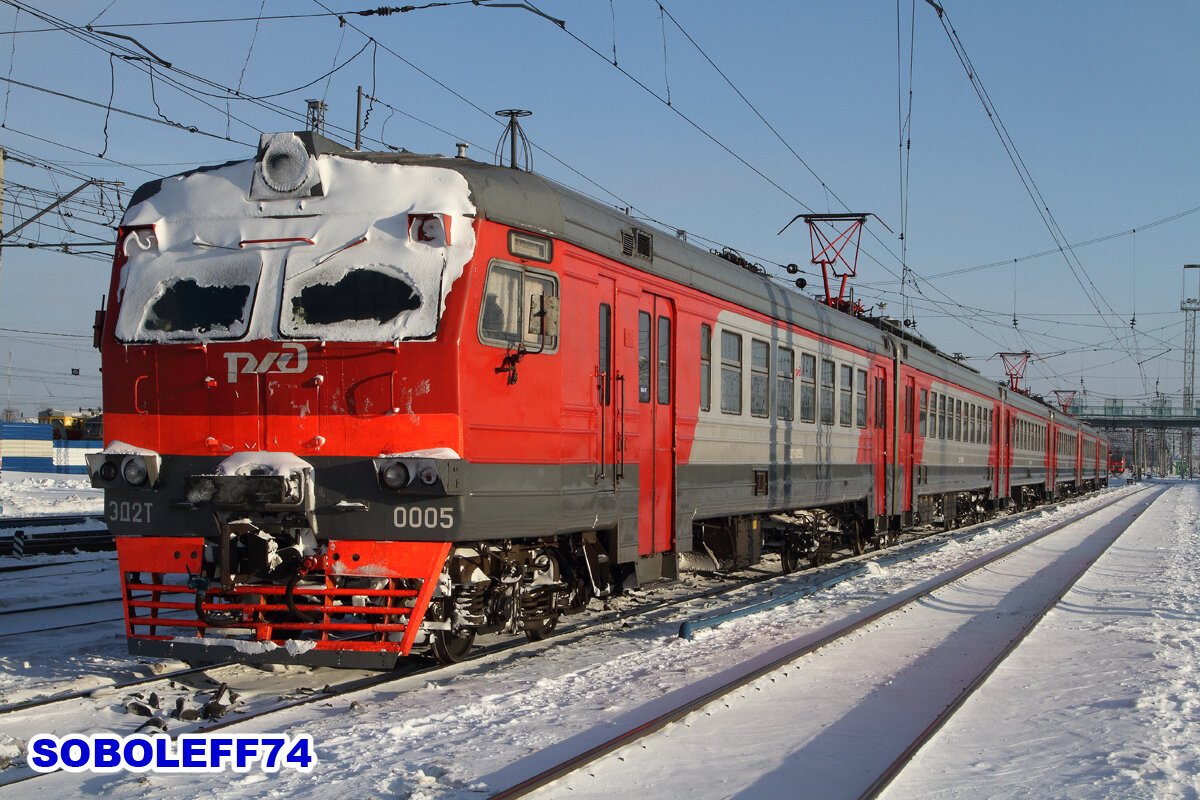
[
  {"x": 953, "y": 419},
  {"x": 1029, "y": 435},
  {"x": 1066, "y": 444},
  {"x": 835, "y": 394},
  {"x": 838, "y": 393}
]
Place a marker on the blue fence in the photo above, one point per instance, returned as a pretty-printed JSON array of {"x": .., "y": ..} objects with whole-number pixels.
[{"x": 30, "y": 447}]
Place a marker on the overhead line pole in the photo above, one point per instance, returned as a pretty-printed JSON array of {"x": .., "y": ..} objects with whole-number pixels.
[
  {"x": 1189, "y": 307},
  {"x": 3, "y": 157}
]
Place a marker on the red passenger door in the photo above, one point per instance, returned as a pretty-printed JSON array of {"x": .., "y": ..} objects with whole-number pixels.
[
  {"x": 881, "y": 389},
  {"x": 610, "y": 391},
  {"x": 1006, "y": 457},
  {"x": 656, "y": 424},
  {"x": 908, "y": 443}
]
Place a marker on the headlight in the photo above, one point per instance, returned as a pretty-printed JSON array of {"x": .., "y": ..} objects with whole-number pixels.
[
  {"x": 428, "y": 475},
  {"x": 134, "y": 471},
  {"x": 394, "y": 476},
  {"x": 108, "y": 470}
]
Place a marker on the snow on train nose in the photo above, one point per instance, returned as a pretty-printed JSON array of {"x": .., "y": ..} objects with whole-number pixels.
[{"x": 286, "y": 167}]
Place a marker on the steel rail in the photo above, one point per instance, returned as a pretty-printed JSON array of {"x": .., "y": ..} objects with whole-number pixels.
[
  {"x": 60, "y": 698},
  {"x": 54, "y": 543},
  {"x": 633, "y": 734},
  {"x": 47, "y": 520},
  {"x": 919, "y": 542},
  {"x": 894, "y": 769}
]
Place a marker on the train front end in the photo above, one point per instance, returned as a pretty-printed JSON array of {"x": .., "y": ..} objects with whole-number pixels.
[{"x": 282, "y": 469}]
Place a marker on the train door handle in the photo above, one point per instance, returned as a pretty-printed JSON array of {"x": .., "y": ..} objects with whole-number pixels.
[
  {"x": 137, "y": 403},
  {"x": 620, "y": 449}
]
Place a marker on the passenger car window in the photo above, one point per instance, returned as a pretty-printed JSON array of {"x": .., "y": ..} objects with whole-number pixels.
[
  {"x": 827, "y": 386},
  {"x": 731, "y": 373},
  {"x": 785, "y": 370},
  {"x": 808, "y": 388},
  {"x": 760, "y": 378}
]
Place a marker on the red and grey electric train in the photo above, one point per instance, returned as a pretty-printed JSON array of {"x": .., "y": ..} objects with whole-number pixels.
[{"x": 361, "y": 403}]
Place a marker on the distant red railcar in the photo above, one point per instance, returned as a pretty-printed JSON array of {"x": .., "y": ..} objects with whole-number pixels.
[{"x": 358, "y": 403}]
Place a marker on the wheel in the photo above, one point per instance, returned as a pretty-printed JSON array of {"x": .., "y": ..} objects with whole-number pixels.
[
  {"x": 541, "y": 629},
  {"x": 549, "y": 570},
  {"x": 451, "y": 647},
  {"x": 858, "y": 542},
  {"x": 878, "y": 540},
  {"x": 789, "y": 555},
  {"x": 821, "y": 551}
]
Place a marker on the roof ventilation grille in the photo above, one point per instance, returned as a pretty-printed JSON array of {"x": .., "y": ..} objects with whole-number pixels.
[{"x": 637, "y": 242}]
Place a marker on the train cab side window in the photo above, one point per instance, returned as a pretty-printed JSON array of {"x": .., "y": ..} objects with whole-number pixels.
[
  {"x": 705, "y": 367},
  {"x": 827, "y": 386},
  {"x": 808, "y": 388},
  {"x": 922, "y": 418},
  {"x": 731, "y": 372},
  {"x": 511, "y": 296},
  {"x": 785, "y": 371},
  {"x": 760, "y": 378}
]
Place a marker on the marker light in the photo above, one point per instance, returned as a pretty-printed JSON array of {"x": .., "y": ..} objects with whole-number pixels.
[
  {"x": 108, "y": 470},
  {"x": 395, "y": 476}
]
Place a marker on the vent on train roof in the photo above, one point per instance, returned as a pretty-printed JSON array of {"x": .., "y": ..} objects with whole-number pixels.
[{"x": 637, "y": 242}]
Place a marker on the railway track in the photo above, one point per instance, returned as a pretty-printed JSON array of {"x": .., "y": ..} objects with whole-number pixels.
[
  {"x": 568, "y": 771},
  {"x": 28, "y": 535},
  {"x": 13, "y": 625},
  {"x": 290, "y": 694}
]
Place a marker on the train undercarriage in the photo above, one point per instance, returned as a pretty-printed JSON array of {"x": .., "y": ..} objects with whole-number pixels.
[
  {"x": 511, "y": 587},
  {"x": 266, "y": 578}
]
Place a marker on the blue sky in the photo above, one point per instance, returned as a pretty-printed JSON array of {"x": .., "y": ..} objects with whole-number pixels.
[{"x": 1100, "y": 99}]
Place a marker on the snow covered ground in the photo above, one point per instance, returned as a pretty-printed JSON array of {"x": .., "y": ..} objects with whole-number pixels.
[
  {"x": 31, "y": 494},
  {"x": 1103, "y": 698},
  {"x": 1099, "y": 702}
]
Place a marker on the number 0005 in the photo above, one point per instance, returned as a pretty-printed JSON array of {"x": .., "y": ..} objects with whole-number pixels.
[{"x": 414, "y": 517}]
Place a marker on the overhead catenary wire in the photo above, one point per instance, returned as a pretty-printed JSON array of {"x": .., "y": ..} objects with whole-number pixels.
[
  {"x": 919, "y": 291},
  {"x": 1026, "y": 177}
]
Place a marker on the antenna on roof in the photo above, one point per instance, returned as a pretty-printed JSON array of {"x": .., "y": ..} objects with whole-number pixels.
[{"x": 513, "y": 133}]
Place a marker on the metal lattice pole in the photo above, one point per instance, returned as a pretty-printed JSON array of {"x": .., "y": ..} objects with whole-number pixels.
[{"x": 1189, "y": 307}]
